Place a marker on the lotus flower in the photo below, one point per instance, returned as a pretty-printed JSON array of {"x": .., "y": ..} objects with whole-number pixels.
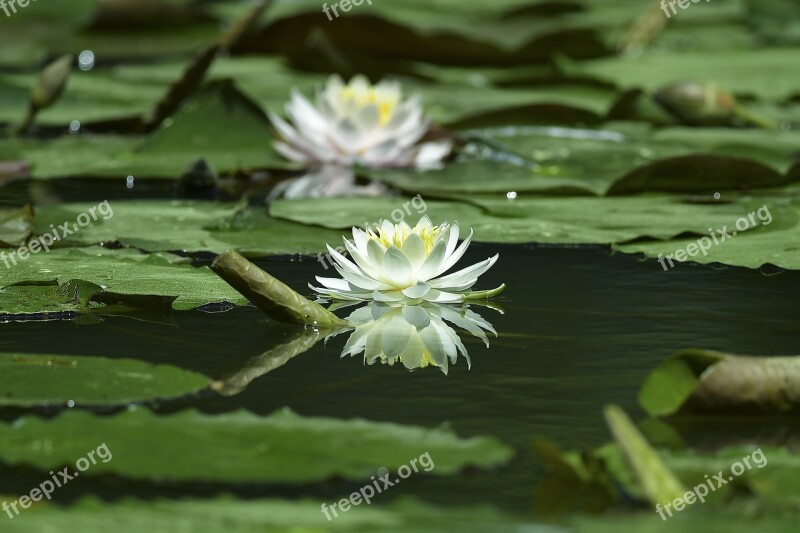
[
  {"x": 404, "y": 263},
  {"x": 416, "y": 335},
  {"x": 358, "y": 124}
]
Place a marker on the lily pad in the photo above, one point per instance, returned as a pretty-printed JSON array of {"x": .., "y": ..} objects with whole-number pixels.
[
  {"x": 281, "y": 448},
  {"x": 703, "y": 380},
  {"x": 124, "y": 274},
  {"x": 745, "y": 72},
  {"x": 15, "y": 226},
  {"x": 575, "y": 220},
  {"x": 775, "y": 243},
  {"x": 187, "y": 226},
  {"x": 404, "y": 515},
  {"x": 192, "y": 133},
  {"x": 48, "y": 300},
  {"x": 89, "y": 381}
]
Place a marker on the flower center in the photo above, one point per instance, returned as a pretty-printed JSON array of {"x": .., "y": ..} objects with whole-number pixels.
[
  {"x": 386, "y": 103},
  {"x": 397, "y": 236}
]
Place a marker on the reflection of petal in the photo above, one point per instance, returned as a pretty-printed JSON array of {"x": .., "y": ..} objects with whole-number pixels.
[
  {"x": 412, "y": 355},
  {"x": 325, "y": 181},
  {"x": 416, "y": 316},
  {"x": 396, "y": 335},
  {"x": 418, "y": 335},
  {"x": 438, "y": 345}
]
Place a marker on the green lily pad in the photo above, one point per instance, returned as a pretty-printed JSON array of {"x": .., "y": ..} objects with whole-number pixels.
[
  {"x": 747, "y": 72},
  {"x": 281, "y": 448},
  {"x": 124, "y": 274},
  {"x": 703, "y": 380},
  {"x": 402, "y": 515},
  {"x": 82, "y": 381},
  {"x": 573, "y": 220},
  {"x": 619, "y": 160},
  {"x": 48, "y": 299},
  {"x": 192, "y": 133},
  {"x": 187, "y": 226},
  {"x": 775, "y": 243},
  {"x": 15, "y": 226}
]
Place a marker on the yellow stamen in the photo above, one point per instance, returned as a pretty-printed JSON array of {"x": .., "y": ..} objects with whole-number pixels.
[
  {"x": 386, "y": 104},
  {"x": 401, "y": 234}
]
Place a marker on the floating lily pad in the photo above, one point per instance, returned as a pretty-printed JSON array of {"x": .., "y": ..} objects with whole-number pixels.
[
  {"x": 703, "y": 380},
  {"x": 123, "y": 274},
  {"x": 281, "y": 448},
  {"x": 82, "y": 381},
  {"x": 15, "y": 226},
  {"x": 259, "y": 516},
  {"x": 192, "y": 133},
  {"x": 48, "y": 300},
  {"x": 624, "y": 160},
  {"x": 576, "y": 220},
  {"x": 773, "y": 244},
  {"x": 747, "y": 72},
  {"x": 188, "y": 226}
]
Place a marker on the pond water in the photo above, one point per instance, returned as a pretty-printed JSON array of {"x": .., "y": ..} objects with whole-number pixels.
[{"x": 581, "y": 328}]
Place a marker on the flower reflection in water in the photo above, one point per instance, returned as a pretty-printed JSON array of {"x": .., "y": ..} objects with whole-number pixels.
[{"x": 416, "y": 335}]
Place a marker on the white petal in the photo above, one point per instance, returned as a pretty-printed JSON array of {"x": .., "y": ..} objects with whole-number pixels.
[
  {"x": 397, "y": 268},
  {"x": 442, "y": 297},
  {"x": 292, "y": 154},
  {"x": 342, "y": 295},
  {"x": 433, "y": 262},
  {"x": 453, "y": 258},
  {"x": 465, "y": 276},
  {"x": 430, "y": 155},
  {"x": 363, "y": 261},
  {"x": 375, "y": 253},
  {"x": 388, "y": 296},
  {"x": 342, "y": 261},
  {"x": 360, "y": 239},
  {"x": 452, "y": 239},
  {"x": 416, "y": 315},
  {"x": 334, "y": 283},
  {"x": 359, "y": 281},
  {"x": 305, "y": 116},
  {"x": 423, "y": 223},
  {"x": 414, "y": 250},
  {"x": 417, "y": 291}
]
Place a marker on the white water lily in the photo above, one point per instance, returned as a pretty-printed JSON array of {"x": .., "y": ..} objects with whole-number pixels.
[
  {"x": 404, "y": 263},
  {"x": 358, "y": 124},
  {"x": 415, "y": 335}
]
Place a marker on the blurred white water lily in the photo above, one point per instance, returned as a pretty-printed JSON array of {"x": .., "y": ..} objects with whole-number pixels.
[
  {"x": 415, "y": 335},
  {"x": 358, "y": 124},
  {"x": 404, "y": 263},
  {"x": 326, "y": 181}
]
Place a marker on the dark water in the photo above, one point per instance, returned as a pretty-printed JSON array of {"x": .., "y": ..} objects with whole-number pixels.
[{"x": 581, "y": 329}]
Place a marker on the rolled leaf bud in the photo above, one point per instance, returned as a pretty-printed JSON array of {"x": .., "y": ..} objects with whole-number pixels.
[{"x": 51, "y": 82}]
